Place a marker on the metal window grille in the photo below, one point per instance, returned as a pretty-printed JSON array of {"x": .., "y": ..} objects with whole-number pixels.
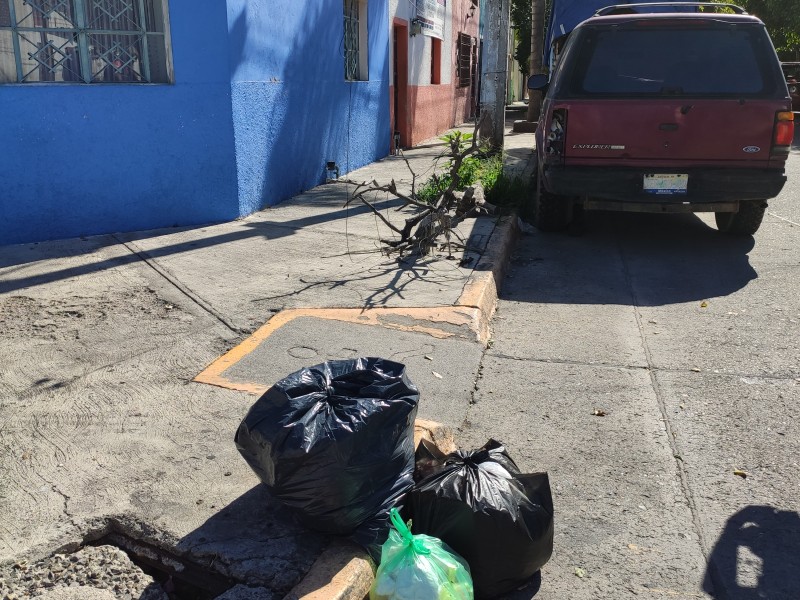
[
  {"x": 463, "y": 59},
  {"x": 351, "y": 41},
  {"x": 83, "y": 41}
]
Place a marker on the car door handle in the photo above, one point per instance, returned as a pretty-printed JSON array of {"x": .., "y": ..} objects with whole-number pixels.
[{"x": 668, "y": 127}]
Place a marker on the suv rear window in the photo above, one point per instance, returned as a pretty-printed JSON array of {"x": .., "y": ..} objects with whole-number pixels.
[{"x": 685, "y": 61}]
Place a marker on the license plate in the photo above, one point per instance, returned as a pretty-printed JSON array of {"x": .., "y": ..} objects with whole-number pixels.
[{"x": 674, "y": 183}]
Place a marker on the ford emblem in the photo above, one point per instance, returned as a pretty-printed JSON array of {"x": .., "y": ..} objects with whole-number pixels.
[{"x": 751, "y": 149}]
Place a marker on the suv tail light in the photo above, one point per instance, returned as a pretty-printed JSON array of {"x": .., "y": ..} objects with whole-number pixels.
[
  {"x": 554, "y": 141},
  {"x": 784, "y": 132}
]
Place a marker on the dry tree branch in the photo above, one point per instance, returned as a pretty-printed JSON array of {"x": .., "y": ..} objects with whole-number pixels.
[
  {"x": 439, "y": 217},
  {"x": 390, "y": 188}
]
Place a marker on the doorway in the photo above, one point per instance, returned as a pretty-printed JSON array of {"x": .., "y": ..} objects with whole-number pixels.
[{"x": 400, "y": 82}]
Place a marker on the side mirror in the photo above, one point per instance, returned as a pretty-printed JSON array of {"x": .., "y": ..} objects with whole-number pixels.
[{"x": 538, "y": 82}]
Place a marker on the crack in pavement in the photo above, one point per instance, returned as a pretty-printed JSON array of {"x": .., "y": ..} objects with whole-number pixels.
[
  {"x": 671, "y": 432},
  {"x": 35, "y": 391},
  {"x": 777, "y": 216},
  {"x": 564, "y": 361},
  {"x": 165, "y": 274},
  {"x": 64, "y": 497}
]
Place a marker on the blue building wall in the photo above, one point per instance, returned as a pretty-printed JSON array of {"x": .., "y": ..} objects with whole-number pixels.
[
  {"x": 292, "y": 108},
  {"x": 258, "y": 105},
  {"x": 85, "y": 159}
]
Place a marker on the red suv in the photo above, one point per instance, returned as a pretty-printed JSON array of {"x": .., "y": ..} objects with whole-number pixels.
[{"x": 666, "y": 109}]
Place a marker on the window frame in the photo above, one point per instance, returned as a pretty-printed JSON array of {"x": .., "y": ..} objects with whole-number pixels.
[
  {"x": 355, "y": 42},
  {"x": 82, "y": 32},
  {"x": 464, "y": 60},
  {"x": 436, "y": 61}
]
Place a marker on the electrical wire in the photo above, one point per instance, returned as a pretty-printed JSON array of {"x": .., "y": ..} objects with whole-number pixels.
[{"x": 347, "y": 168}]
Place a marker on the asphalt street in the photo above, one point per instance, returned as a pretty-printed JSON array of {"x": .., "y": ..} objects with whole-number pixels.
[{"x": 652, "y": 366}]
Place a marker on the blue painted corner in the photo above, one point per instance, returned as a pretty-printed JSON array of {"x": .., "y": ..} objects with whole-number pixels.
[
  {"x": 292, "y": 109},
  {"x": 83, "y": 159},
  {"x": 258, "y": 104}
]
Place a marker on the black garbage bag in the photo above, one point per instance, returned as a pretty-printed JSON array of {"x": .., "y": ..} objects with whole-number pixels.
[
  {"x": 335, "y": 442},
  {"x": 479, "y": 504}
]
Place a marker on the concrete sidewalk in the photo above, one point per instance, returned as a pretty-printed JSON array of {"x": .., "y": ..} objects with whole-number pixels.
[{"x": 111, "y": 433}]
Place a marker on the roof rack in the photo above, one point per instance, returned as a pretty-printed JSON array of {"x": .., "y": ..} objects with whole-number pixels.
[{"x": 610, "y": 9}]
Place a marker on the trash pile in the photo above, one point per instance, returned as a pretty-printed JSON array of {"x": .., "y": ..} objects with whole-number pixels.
[
  {"x": 419, "y": 566},
  {"x": 335, "y": 443}
]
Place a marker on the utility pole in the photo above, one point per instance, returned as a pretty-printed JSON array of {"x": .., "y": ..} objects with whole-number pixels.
[
  {"x": 537, "y": 49},
  {"x": 494, "y": 71}
]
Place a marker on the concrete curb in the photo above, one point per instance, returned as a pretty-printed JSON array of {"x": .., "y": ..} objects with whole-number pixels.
[
  {"x": 344, "y": 571},
  {"x": 482, "y": 288}
]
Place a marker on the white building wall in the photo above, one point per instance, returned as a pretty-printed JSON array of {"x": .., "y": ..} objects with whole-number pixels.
[{"x": 420, "y": 46}]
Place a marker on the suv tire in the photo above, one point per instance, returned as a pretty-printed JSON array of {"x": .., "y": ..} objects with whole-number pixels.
[
  {"x": 746, "y": 221},
  {"x": 551, "y": 212}
]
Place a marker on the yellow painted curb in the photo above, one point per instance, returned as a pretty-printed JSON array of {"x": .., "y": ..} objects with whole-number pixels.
[
  {"x": 440, "y": 322},
  {"x": 473, "y": 311},
  {"x": 342, "y": 572},
  {"x": 482, "y": 288},
  {"x": 345, "y": 572}
]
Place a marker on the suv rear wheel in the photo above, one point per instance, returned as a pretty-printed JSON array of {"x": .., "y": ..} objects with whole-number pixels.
[
  {"x": 746, "y": 221},
  {"x": 551, "y": 212}
]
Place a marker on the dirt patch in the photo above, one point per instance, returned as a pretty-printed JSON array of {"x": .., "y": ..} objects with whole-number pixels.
[{"x": 26, "y": 317}]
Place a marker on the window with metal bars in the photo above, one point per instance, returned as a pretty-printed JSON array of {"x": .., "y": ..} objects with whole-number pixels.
[
  {"x": 84, "y": 41},
  {"x": 463, "y": 59},
  {"x": 351, "y": 40},
  {"x": 355, "y": 40}
]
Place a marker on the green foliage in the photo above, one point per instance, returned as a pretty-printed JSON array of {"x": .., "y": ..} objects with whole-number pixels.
[
  {"x": 521, "y": 13},
  {"x": 433, "y": 188},
  {"x": 490, "y": 171},
  {"x": 509, "y": 194},
  {"x": 486, "y": 169},
  {"x": 782, "y": 19},
  {"x": 521, "y": 19},
  {"x": 457, "y": 140}
]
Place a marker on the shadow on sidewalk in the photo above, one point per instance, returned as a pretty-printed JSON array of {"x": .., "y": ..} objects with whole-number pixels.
[
  {"x": 256, "y": 227},
  {"x": 403, "y": 274},
  {"x": 255, "y": 540},
  {"x": 676, "y": 258},
  {"x": 757, "y": 556}
]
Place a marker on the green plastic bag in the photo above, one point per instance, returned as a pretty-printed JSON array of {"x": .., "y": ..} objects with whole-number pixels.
[{"x": 419, "y": 567}]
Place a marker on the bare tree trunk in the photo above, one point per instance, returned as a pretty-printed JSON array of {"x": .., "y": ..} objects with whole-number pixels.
[{"x": 537, "y": 48}]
